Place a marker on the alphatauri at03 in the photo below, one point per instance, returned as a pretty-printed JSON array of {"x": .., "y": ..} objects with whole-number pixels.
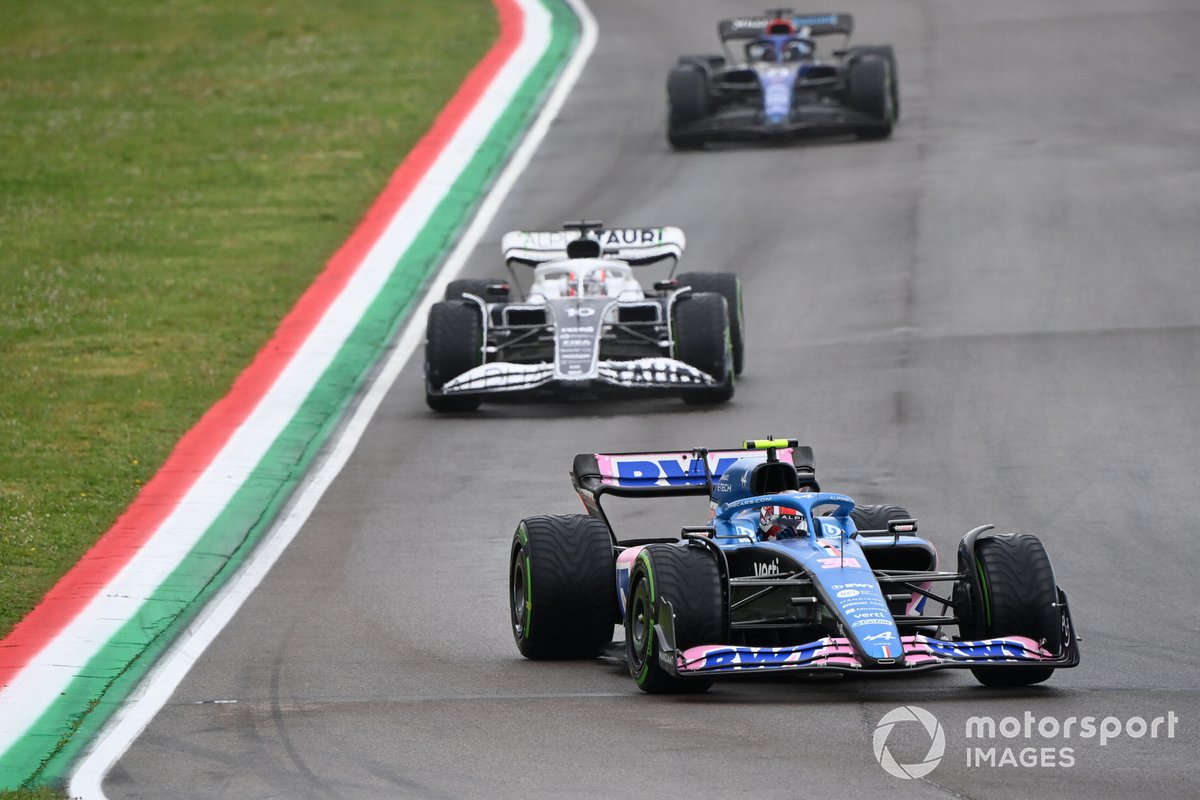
[
  {"x": 781, "y": 577},
  {"x": 586, "y": 326}
]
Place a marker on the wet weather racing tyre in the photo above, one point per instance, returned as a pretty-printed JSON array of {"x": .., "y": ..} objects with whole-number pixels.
[
  {"x": 687, "y": 577},
  {"x": 453, "y": 345},
  {"x": 885, "y": 52},
  {"x": 702, "y": 340},
  {"x": 869, "y": 94},
  {"x": 561, "y": 586},
  {"x": 1012, "y": 592},
  {"x": 728, "y": 286},
  {"x": 877, "y": 517},
  {"x": 687, "y": 103},
  {"x": 476, "y": 286}
]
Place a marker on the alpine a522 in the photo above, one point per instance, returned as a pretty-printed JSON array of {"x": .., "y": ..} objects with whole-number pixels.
[
  {"x": 770, "y": 83},
  {"x": 780, "y": 577}
]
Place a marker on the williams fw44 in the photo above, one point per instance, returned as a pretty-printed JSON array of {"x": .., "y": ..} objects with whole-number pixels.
[
  {"x": 781, "y": 577},
  {"x": 771, "y": 83},
  {"x": 585, "y": 326}
]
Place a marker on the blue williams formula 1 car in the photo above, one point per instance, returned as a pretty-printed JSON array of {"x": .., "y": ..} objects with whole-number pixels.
[
  {"x": 585, "y": 326},
  {"x": 777, "y": 86},
  {"x": 783, "y": 577}
]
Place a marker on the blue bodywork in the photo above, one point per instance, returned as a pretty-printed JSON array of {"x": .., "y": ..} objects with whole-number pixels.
[
  {"x": 829, "y": 555},
  {"x": 777, "y": 86}
]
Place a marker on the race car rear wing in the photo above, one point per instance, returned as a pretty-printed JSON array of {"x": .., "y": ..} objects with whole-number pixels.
[
  {"x": 817, "y": 24},
  {"x": 670, "y": 473},
  {"x": 634, "y": 246}
]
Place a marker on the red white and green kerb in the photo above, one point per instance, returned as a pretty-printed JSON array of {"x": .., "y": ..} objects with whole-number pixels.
[{"x": 82, "y": 655}]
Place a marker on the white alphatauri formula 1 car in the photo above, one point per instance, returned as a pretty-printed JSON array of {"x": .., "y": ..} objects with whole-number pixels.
[{"x": 586, "y": 326}]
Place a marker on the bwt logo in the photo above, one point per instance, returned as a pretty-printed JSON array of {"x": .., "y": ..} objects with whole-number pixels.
[
  {"x": 635, "y": 473},
  {"x": 903, "y": 717}
]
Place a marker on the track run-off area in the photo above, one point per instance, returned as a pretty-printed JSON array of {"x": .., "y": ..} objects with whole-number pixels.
[{"x": 991, "y": 317}]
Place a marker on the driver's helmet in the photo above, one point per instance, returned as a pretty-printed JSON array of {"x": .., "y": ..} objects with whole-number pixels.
[
  {"x": 761, "y": 50},
  {"x": 780, "y": 522},
  {"x": 557, "y": 284},
  {"x": 594, "y": 283},
  {"x": 797, "y": 50}
]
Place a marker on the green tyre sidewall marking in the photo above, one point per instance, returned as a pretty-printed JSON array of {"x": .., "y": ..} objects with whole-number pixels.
[
  {"x": 643, "y": 559},
  {"x": 47, "y": 751},
  {"x": 522, "y": 551},
  {"x": 528, "y": 597},
  {"x": 983, "y": 592}
]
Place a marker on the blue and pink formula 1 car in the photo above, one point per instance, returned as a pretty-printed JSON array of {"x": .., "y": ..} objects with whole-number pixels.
[{"x": 782, "y": 577}]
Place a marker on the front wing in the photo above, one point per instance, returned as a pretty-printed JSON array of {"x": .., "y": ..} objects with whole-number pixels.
[
  {"x": 642, "y": 373},
  {"x": 836, "y": 653},
  {"x": 817, "y": 120},
  {"x": 916, "y": 653}
]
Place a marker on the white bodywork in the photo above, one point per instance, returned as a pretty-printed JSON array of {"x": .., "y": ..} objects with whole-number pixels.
[{"x": 580, "y": 296}]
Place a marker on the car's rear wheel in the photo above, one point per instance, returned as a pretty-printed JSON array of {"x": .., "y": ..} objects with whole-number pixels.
[
  {"x": 687, "y": 103},
  {"x": 702, "y": 340},
  {"x": 562, "y": 586},
  {"x": 870, "y": 94},
  {"x": 687, "y": 577},
  {"x": 729, "y": 286},
  {"x": 1011, "y": 591},
  {"x": 877, "y": 517},
  {"x": 476, "y": 286},
  {"x": 453, "y": 345}
]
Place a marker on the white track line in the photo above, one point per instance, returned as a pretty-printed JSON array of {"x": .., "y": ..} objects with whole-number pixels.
[{"x": 160, "y": 683}]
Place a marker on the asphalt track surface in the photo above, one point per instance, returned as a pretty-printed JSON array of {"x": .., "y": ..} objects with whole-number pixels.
[{"x": 991, "y": 317}]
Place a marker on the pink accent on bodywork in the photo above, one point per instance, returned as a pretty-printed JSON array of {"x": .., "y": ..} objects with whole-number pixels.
[
  {"x": 625, "y": 561},
  {"x": 916, "y": 598},
  {"x": 607, "y": 463},
  {"x": 626, "y": 557},
  {"x": 837, "y": 651}
]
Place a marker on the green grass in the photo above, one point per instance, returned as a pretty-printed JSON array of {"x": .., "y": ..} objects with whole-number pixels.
[
  {"x": 173, "y": 174},
  {"x": 44, "y": 793}
]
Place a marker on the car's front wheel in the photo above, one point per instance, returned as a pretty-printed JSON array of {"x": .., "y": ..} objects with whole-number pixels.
[
  {"x": 729, "y": 286},
  {"x": 453, "y": 345},
  {"x": 888, "y": 54},
  {"x": 687, "y": 577},
  {"x": 687, "y": 103},
  {"x": 1010, "y": 591},
  {"x": 870, "y": 94},
  {"x": 702, "y": 340}
]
